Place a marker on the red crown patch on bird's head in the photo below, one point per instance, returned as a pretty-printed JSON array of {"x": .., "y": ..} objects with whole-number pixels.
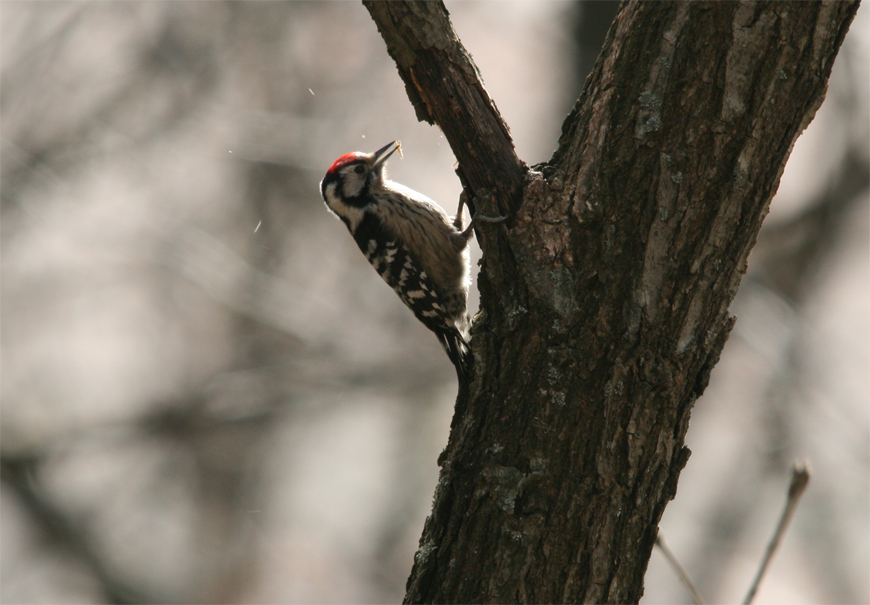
[{"x": 344, "y": 161}]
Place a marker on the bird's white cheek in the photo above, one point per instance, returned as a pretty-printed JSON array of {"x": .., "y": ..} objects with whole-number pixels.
[
  {"x": 352, "y": 186},
  {"x": 342, "y": 210}
]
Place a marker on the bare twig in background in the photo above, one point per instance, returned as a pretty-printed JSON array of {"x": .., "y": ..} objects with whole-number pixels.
[
  {"x": 800, "y": 478},
  {"x": 681, "y": 571},
  {"x": 66, "y": 533}
]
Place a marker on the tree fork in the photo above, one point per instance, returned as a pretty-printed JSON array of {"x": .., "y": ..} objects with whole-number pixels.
[{"x": 604, "y": 300}]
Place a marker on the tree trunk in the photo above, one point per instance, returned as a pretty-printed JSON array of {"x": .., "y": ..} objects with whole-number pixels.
[{"x": 604, "y": 298}]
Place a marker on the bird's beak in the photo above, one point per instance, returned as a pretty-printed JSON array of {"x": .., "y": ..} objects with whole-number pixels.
[{"x": 383, "y": 153}]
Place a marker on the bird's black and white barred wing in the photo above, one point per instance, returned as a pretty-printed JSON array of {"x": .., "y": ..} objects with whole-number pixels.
[{"x": 397, "y": 266}]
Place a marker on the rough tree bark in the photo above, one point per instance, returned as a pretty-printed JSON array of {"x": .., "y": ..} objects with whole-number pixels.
[{"x": 604, "y": 299}]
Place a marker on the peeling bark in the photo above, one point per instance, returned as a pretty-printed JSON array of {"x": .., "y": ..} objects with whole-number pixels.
[{"x": 604, "y": 299}]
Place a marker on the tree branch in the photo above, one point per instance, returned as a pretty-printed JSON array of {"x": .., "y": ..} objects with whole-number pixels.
[
  {"x": 445, "y": 88},
  {"x": 604, "y": 301},
  {"x": 800, "y": 478},
  {"x": 679, "y": 569}
]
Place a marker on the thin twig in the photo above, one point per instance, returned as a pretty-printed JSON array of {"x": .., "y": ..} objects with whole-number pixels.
[
  {"x": 800, "y": 477},
  {"x": 687, "y": 581}
]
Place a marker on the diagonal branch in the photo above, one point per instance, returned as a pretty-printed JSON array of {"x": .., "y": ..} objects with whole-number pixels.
[
  {"x": 800, "y": 478},
  {"x": 445, "y": 88}
]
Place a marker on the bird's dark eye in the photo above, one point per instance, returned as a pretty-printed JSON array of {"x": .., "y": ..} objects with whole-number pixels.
[{"x": 359, "y": 169}]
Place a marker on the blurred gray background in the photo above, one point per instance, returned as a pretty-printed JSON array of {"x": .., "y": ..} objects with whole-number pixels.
[{"x": 209, "y": 396}]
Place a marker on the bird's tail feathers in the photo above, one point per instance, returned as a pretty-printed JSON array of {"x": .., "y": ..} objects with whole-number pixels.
[{"x": 458, "y": 351}]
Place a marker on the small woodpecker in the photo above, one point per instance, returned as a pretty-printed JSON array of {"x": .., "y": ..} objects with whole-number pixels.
[{"x": 411, "y": 242}]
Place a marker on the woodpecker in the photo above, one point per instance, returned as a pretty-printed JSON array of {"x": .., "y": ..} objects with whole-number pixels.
[{"x": 410, "y": 241}]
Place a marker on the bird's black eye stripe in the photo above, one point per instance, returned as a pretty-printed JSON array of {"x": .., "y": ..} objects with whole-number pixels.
[{"x": 359, "y": 168}]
